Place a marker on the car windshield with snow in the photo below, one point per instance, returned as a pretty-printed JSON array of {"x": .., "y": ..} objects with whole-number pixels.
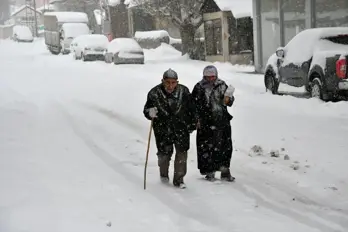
[
  {"x": 124, "y": 51},
  {"x": 89, "y": 47},
  {"x": 314, "y": 58}
]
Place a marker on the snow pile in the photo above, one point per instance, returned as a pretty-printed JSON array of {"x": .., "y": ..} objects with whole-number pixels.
[
  {"x": 308, "y": 40},
  {"x": 72, "y": 30},
  {"x": 164, "y": 52},
  {"x": 239, "y": 8},
  {"x": 158, "y": 34},
  {"x": 69, "y": 17},
  {"x": 22, "y": 32}
]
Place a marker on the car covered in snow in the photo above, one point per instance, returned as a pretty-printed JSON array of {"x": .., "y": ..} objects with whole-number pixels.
[
  {"x": 22, "y": 33},
  {"x": 124, "y": 51},
  {"x": 315, "y": 58},
  {"x": 89, "y": 47}
]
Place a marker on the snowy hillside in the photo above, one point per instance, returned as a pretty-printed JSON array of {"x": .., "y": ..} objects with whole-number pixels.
[{"x": 73, "y": 142}]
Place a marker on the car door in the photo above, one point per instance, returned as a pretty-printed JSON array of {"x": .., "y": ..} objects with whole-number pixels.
[{"x": 291, "y": 72}]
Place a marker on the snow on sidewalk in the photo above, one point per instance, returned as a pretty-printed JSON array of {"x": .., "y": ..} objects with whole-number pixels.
[{"x": 73, "y": 142}]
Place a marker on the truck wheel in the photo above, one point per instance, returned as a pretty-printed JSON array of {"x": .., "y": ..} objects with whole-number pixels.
[{"x": 317, "y": 89}]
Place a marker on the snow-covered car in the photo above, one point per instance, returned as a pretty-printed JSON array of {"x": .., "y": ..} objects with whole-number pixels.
[
  {"x": 89, "y": 47},
  {"x": 22, "y": 33},
  {"x": 315, "y": 58},
  {"x": 124, "y": 51},
  {"x": 70, "y": 31}
]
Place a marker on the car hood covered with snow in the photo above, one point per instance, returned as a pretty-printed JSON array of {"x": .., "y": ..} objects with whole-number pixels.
[
  {"x": 129, "y": 48},
  {"x": 93, "y": 41}
]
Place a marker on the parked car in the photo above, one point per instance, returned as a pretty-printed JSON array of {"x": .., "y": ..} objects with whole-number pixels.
[
  {"x": 89, "y": 47},
  {"x": 22, "y": 33},
  {"x": 314, "y": 58},
  {"x": 124, "y": 51}
]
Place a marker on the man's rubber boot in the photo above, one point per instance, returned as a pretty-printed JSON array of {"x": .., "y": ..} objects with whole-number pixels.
[
  {"x": 180, "y": 169},
  {"x": 163, "y": 163}
]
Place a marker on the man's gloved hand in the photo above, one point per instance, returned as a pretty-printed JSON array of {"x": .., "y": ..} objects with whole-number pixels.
[{"x": 153, "y": 112}]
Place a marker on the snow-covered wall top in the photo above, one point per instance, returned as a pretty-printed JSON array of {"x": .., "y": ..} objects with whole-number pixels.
[
  {"x": 130, "y": 3},
  {"x": 151, "y": 34},
  {"x": 239, "y": 8},
  {"x": 71, "y": 17}
]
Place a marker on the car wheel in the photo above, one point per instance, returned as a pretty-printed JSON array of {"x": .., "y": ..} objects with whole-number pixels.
[
  {"x": 317, "y": 89},
  {"x": 271, "y": 83}
]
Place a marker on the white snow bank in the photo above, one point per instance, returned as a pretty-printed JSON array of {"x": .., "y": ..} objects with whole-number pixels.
[
  {"x": 165, "y": 52},
  {"x": 22, "y": 32},
  {"x": 72, "y": 30},
  {"x": 151, "y": 34},
  {"x": 124, "y": 44},
  {"x": 69, "y": 17},
  {"x": 303, "y": 45},
  {"x": 239, "y": 8}
]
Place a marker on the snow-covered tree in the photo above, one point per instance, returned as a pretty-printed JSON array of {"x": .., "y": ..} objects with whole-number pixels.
[{"x": 185, "y": 14}]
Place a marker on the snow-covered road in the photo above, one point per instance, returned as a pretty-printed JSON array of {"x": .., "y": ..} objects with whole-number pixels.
[{"x": 73, "y": 142}]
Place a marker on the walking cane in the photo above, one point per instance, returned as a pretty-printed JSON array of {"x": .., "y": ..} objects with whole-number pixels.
[{"x": 147, "y": 153}]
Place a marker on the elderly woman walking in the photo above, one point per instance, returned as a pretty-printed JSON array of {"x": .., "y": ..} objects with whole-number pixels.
[{"x": 212, "y": 96}]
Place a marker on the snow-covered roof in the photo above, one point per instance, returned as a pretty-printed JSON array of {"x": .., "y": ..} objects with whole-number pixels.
[
  {"x": 151, "y": 34},
  {"x": 45, "y": 7},
  {"x": 130, "y": 3},
  {"x": 23, "y": 8},
  {"x": 71, "y": 17},
  {"x": 239, "y": 8}
]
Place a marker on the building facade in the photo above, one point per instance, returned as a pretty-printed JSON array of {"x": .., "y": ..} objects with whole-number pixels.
[
  {"x": 228, "y": 31},
  {"x": 25, "y": 15},
  {"x": 276, "y": 22}
]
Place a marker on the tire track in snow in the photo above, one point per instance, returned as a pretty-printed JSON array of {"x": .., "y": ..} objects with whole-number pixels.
[{"x": 179, "y": 207}]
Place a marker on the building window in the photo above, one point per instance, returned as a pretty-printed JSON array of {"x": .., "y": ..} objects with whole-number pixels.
[
  {"x": 213, "y": 37},
  {"x": 330, "y": 13},
  {"x": 270, "y": 28},
  {"x": 241, "y": 35},
  {"x": 296, "y": 15}
]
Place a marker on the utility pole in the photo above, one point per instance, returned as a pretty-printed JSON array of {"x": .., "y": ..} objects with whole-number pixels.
[{"x": 35, "y": 16}]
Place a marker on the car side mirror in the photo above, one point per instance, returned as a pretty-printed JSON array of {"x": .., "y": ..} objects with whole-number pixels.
[{"x": 280, "y": 52}]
